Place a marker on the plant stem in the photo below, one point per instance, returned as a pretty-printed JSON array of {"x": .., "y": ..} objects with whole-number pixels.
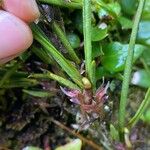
[
  {"x": 65, "y": 42},
  {"x": 145, "y": 103},
  {"x": 63, "y": 3},
  {"x": 128, "y": 66},
  {"x": 87, "y": 36}
]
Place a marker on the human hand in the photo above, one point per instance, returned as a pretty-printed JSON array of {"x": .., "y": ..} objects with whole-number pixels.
[{"x": 15, "y": 34}]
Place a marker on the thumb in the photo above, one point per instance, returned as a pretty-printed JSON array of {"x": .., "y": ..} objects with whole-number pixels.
[{"x": 15, "y": 36}]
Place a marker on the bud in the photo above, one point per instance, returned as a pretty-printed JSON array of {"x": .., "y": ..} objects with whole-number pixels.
[{"x": 86, "y": 82}]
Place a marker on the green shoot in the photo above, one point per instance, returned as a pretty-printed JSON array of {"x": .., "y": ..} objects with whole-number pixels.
[
  {"x": 128, "y": 67},
  {"x": 87, "y": 36}
]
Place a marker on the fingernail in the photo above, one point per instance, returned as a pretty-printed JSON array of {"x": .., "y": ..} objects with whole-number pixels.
[{"x": 26, "y": 10}]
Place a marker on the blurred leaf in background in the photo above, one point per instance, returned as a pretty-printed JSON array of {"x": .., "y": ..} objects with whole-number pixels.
[
  {"x": 99, "y": 33},
  {"x": 141, "y": 78},
  {"x": 128, "y": 6},
  {"x": 74, "y": 145},
  {"x": 115, "y": 55},
  {"x": 144, "y": 32},
  {"x": 31, "y": 148},
  {"x": 146, "y": 11}
]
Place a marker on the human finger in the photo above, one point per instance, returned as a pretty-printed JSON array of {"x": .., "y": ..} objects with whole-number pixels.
[
  {"x": 15, "y": 35},
  {"x": 26, "y": 10}
]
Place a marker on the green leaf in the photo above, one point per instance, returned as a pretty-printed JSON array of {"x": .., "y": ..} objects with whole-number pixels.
[
  {"x": 115, "y": 55},
  {"x": 22, "y": 82},
  {"x": 146, "y": 56},
  {"x": 31, "y": 148},
  {"x": 24, "y": 56},
  {"x": 10, "y": 78},
  {"x": 8, "y": 74},
  {"x": 128, "y": 6},
  {"x": 74, "y": 145},
  {"x": 59, "y": 58},
  {"x": 146, "y": 11},
  {"x": 98, "y": 33},
  {"x": 61, "y": 80},
  {"x": 101, "y": 72},
  {"x": 141, "y": 78},
  {"x": 63, "y": 38},
  {"x": 38, "y": 93},
  {"x": 114, "y": 133},
  {"x": 96, "y": 49},
  {"x": 16, "y": 75},
  {"x": 46, "y": 57},
  {"x": 144, "y": 32},
  {"x": 125, "y": 22},
  {"x": 115, "y": 7},
  {"x": 42, "y": 54}
]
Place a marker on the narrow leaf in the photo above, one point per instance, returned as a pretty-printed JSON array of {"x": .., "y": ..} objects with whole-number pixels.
[
  {"x": 61, "y": 80},
  {"x": 65, "y": 42},
  {"x": 63, "y": 62},
  {"x": 38, "y": 93},
  {"x": 8, "y": 74},
  {"x": 74, "y": 145},
  {"x": 22, "y": 82},
  {"x": 114, "y": 133}
]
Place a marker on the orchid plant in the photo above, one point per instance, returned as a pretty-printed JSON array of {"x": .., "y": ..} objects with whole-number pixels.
[{"x": 82, "y": 89}]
